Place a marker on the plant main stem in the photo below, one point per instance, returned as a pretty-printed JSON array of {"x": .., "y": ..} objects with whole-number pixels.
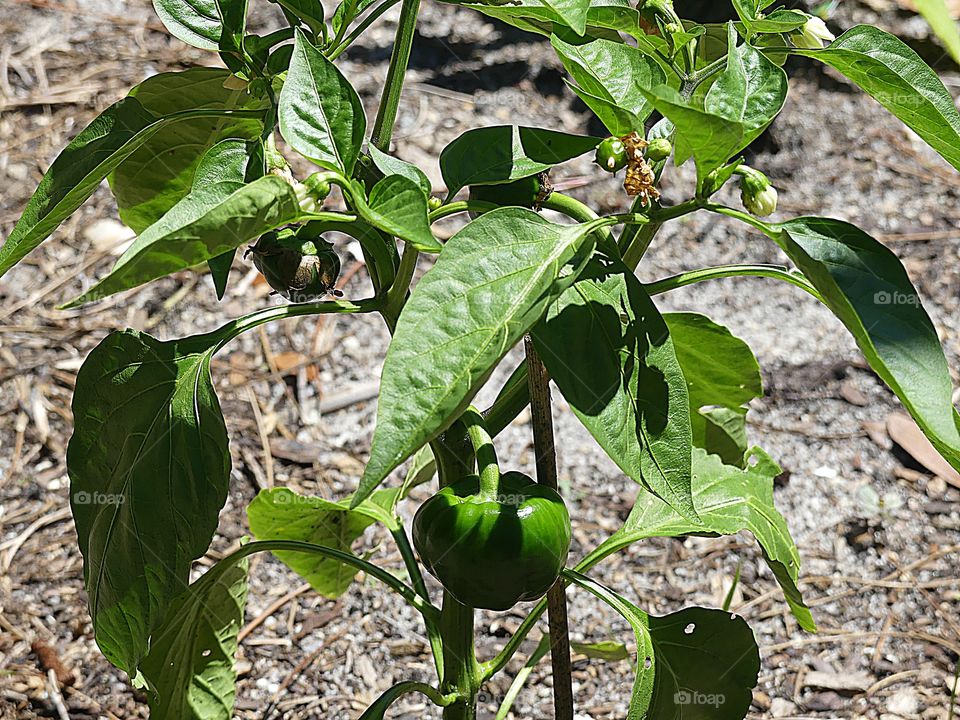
[
  {"x": 542, "y": 420},
  {"x": 461, "y": 674},
  {"x": 393, "y": 86}
]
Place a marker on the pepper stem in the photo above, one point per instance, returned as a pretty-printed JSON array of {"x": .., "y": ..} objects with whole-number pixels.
[{"x": 487, "y": 464}]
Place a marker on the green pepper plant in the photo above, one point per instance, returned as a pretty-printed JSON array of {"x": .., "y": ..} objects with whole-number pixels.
[{"x": 192, "y": 158}]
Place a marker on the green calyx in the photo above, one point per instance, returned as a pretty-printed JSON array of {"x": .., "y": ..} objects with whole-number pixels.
[
  {"x": 492, "y": 553},
  {"x": 300, "y": 268},
  {"x": 611, "y": 154}
]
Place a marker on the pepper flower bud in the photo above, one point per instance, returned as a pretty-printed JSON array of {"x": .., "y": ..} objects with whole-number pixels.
[
  {"x": 312, "y": 192},
  {"x": 759, "y": 197},
  {"x": 659, "y": 149},
  {"x": 813, "y": 35}
]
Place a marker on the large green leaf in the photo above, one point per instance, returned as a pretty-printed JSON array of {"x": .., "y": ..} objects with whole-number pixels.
[
  {"x": 610, "y": 353},
  {"x": 895, "y": 76},
  {"x": 499, "y": 154},
  {"x": 695, "y": 664},
  {"x": 493, "y": 281},
  {"x": 398, "y": 206},
  {"x": 708, "y": 665},
  {"x": 281, "y": 514},
  {"x": 751, "y": 91},
  {"x": 722, "y": 377},
  {"x": 321, "y": 115},
  {"x": 611, "y": 73},
  {"x": 867, "y": 288},
  {"x": 79, "y": 169},
  {"x": 189, "y": 671},
  {"x": 204, "y": 225},
  {"x": 710, "y": 138},
  {"x": 159, "y": 173},
  {"x": 728, "y": 499},
  {"x": 149, "y": 468},
  {"x": 195, "y": 22}
]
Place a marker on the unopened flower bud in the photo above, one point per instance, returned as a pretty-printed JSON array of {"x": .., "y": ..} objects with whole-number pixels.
[
  {"x": 312, "y": 192},
  {"x": 659, "y": 149},
  {"x": 813, "y": 35},
  {"x": 759, "y": 197}
]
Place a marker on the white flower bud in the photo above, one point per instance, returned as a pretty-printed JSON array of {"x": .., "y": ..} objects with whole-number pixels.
[
  {"x": 763, "y": 203},
  {"x": 758, "y": 196},
  {"x": 813, "y": 35}
]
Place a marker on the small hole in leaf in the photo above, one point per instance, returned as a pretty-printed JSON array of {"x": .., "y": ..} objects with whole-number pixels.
[
  {"x": 689, "y": 629},
  {"x": 205, "y": 653},
  {"x": 647, "y": 663}
]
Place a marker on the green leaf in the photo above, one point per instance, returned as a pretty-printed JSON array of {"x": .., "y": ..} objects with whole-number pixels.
[
  {"x": 708, "y": 665},
  {"x": 610, "y": 353},
  {"x": 220, "y": 267},
  {"x": 751, "y": 91},
  {"x": 779, "y": 21},
  {"x": 502, "y": 153},
  {"x": 722, "y": 378},
  {"x": 605, "y": 18},
  {"x": 233, "y": 20},
  {"x": 867, "y": 288},
  {"x": 160, "y": 172},
  {"x": 195, "y": 22},
  {"x": 573, "y": 13},
  {"x": 493, "y": 281},
  {"x": 390, "y": 165},
  {"x": 695, "y": 664},
  {"x": 942, "y": 24},
  {"x": 281, "y": 514},
  {"x": 710, "y": 138},
  {"x": 321, "y": 115},
  {"x": 896, "y": 77},
  {"x": 79, "y": 169},
  {"x": 149, "y": 468},
  {"x": 398, "y": 206},
  {"x": 189, "y": 671},
  {"x": 608, "y": 650},
  {"x": 728, "y": 499},
  {"x": 204, "y": 225},
  {"x": 346, "y": 12},
  {"x": 612, "y": 73},
  {"x": 747, "y": 11},
  {"x": 309, "y": 11}
]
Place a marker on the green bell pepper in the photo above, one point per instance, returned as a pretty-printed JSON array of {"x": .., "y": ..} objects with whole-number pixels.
[{"x": 493, "y": 541}]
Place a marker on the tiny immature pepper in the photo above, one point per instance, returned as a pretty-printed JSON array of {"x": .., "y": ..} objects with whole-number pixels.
[
  {"x": 493, "y": 552},
  {"x": 299, "y": 269},
  {"x": 612, "y": 154}
]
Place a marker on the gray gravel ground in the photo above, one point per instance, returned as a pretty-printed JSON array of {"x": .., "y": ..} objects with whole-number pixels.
[{"x": 883, "y": 586}]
